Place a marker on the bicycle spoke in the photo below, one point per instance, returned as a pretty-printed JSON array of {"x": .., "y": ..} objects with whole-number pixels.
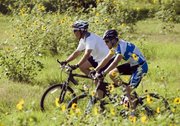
[{"x": 52, "y": 100}]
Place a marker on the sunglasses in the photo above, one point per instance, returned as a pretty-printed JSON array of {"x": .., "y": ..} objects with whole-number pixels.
[
  {"x": 107, "y": 41},
  {"x": 75, "y": 30}
]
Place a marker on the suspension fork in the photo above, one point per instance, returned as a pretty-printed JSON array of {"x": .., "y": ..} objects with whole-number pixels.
[{"x": 63, "y": 92}]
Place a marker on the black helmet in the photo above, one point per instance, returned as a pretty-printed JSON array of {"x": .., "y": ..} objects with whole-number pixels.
[
  {"x": 110, "y": 34},
  {"x": 80, "y": 25}
]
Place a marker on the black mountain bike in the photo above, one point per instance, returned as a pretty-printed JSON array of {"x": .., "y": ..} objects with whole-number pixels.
[
  {"x": 59, "y": 93},
  {"x": 148, "y": 103}
]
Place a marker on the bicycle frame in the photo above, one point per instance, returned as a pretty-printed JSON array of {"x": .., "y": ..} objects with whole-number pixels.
[{"x": 70, "y": 78}]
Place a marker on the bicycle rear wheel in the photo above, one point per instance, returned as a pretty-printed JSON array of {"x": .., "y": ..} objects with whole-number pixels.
[
  {"x": 51, "y": 98},
  {"x": 154, "y": 104}
]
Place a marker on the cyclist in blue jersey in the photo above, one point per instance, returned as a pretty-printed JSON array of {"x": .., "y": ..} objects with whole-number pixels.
[{"x": 136, "y": 65}]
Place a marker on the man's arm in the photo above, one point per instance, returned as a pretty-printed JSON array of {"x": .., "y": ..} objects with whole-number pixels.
[
  {"x": 75, "y": 54},
  {"x": 114, "y": 63},
  {"x": 104, "y": 62},
  {"x": 85, "y": 57}
]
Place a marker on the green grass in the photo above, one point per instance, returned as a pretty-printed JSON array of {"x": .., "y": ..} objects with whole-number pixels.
[
  {"x": 163, "y": 50},
  {"x": 6, "y": 31}
]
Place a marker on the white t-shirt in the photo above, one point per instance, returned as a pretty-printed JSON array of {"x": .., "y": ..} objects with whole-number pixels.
[{"x": 97, "y": 44}]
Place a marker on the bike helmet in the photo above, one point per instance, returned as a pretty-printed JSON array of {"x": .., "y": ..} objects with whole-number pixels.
[
  {"x": 110, "y": 34},
  {"x": 80, "y": 25}
]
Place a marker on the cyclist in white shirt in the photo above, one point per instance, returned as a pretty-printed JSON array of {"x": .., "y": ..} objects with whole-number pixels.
[{"x": 93, "y": 46}]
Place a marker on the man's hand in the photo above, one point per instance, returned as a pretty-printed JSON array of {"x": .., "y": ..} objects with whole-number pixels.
[
  {"x": 92, "y": 73},
  {"x": 100, "y": 75},
  {"x": 73, "y": 67},
  {"x": 63, "y": 63}
]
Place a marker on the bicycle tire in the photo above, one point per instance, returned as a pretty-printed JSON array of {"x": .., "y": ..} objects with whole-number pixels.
[
  {"x": 83, "y": 102},
  {"x": 76, "y": 99},
  {"x": 48, "y": 103},
  {"x": 154, "y": 104}
]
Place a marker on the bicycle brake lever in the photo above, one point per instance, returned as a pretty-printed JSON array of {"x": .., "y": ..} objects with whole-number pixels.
[{"x": 68, "y": 68}]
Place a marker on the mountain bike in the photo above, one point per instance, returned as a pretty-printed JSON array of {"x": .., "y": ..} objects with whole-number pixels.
[
  {"x": 148, "y": 103},
  {"x": 59, "y": 93}
]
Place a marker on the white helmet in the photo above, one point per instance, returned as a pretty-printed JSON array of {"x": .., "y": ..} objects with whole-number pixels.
[{"x": 80, "y": 25}]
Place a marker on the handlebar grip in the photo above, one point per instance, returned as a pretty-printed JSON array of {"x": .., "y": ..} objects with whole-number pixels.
[{"x": 58, "y": 61}]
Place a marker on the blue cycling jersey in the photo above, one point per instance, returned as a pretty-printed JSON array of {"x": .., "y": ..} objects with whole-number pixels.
[{"x": 130, "y": 53}]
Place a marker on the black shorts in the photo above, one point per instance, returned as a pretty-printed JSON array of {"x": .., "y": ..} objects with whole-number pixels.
[
  {"x": 136, "y": 72},
  {"x": 92, "y": 62},
  {"x": 95, "y": 64},
  {"x": 126, "y": 69}
]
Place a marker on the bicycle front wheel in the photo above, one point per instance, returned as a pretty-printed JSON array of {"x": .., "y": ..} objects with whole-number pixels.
[
  {"x": 51, "y": 98},
  {"x": 83, "y": 103}
]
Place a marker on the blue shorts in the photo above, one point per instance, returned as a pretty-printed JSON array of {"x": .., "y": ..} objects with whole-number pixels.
[{"x": 136, "y": 72}]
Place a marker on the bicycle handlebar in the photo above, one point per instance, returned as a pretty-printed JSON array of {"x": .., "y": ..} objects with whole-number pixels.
[{"x": 66, "y": 67}]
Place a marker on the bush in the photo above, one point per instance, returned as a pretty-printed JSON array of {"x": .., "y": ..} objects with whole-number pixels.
[
  {"x": 47, "y": 33},
  {"x": 20, "y": 65}
]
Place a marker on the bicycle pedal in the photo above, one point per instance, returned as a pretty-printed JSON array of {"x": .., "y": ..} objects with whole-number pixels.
[{"x": 140, "y": 100}]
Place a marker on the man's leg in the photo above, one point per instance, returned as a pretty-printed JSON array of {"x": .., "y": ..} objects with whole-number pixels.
[
  {"x": 113, "y": 75},
  {"x": 123, "y": 69},
  {"x": 85, "y": 67},
  {"x": 134, "y": 82}
]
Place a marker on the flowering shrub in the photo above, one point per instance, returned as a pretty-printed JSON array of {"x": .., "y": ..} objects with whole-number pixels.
[{"x": 41, "y": 32}]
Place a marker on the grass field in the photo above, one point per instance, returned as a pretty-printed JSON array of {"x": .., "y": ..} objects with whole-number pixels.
[{"x": 163, "y": 52}]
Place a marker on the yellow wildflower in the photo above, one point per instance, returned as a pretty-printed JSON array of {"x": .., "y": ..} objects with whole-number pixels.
[
  {"x": 132, "y": 119},
  {"x": 123, "y": 24},
  {"x": 97, "y": 1},
  {"x": 113, "y": 73},
  {"x": 20, "y": 105},
  {"x": 35, "y": 23},
  {"x": 110, "y": 88},
  {"x": 173, "y": 110},
  {"x": 106, "y": 20},
  {"x": 149, "y": 99},
  {"x": 125, "y": 105},
  {"x": 63, "y": 107},
  {"x": 112, "y": 111},
  {"x": 177, "y": 101},
  {"x": 137, "y": 8},
  {"x": 72, "y": 112},
  {"x": 57, "y": 102},
  {"x": 154, "y": 1},
  {"x": 74, "y": 106},
  {"x": 158, "y": 110},
  {"x": 62, "y": 21},
  {"x": 162, "y": 78},
  {"x": 96, "y": 21},
  {"x": 97, "y": 14},
  {"x": 126, "y": 79},
  {"x": 43, "y": 28},
  {"x": 78, "y": 111},
  {"x": 143, "y": 119},
  {"x": 114, "y": 2},
  {"x": 22, "y": 11},
  {"x": 95, "y": 111},
  {"x": 93, "y": 93},
  {"x": 41, "y": 7}
]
